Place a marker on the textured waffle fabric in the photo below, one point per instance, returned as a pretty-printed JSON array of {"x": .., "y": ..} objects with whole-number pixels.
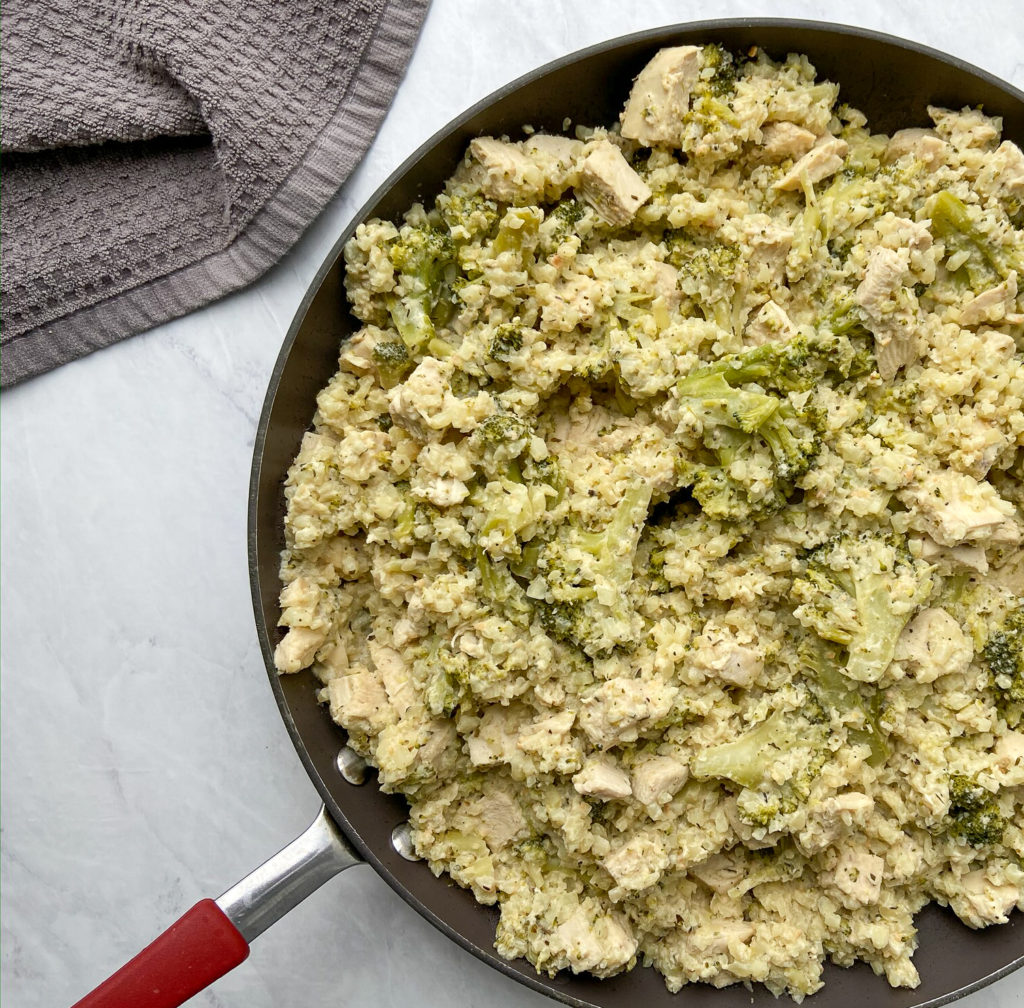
[{"x": 158, "y": 154}]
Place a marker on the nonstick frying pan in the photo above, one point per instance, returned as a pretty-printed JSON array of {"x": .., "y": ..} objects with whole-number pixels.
[{"x": 892, "y": 82}]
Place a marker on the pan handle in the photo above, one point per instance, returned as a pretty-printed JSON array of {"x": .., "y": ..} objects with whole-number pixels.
[{"x": 213, "y": 937}]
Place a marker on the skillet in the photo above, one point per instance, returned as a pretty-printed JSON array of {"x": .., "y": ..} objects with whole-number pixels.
[{"x": 892, "y": 82}]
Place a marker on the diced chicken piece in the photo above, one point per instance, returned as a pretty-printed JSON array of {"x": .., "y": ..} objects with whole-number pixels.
[
  {"x": 569, "y": 303},
  {"x": 1009, "y": 753},
  {"x": 560, "y": 148},
  {"x": 359, "y": 701},
  {"x": 660, "y": 97},
  {"x": 602, "y": 778},
  {"x": 722, "y": 655},
  {"x": 441, "y": 741},
  {"x": 1010, "y": 573},
  {"x": 718, "y": 938},
  {"x": 818, "y": 163},
  {"x": 858, "y": 875},
  {"x": 782, "y": 140},
  {"x": 600, "y": 944},
  {"x": 504, "y": 168},
  {"x": 990, "y": 305},
  {"x": 769, "y": 324},
  {"x": 360, "y": 454},
  {"x": 497, "y": 817},
  {"x": 614, "y": 711},
  {"x": 923, "y": 144},
  {"x": 424, "y": 401},
  {"x": 955, "y": 508},
  {"x": 357, "y": 351},
  {"x": 982, "y": 902},
  {"x": 495, "y": 738},
  {"x": 966, "y": 556},
  {"x": 719, "y": 872},
  {"x": 769, "y": 247},
  {"x": 636, "y": 865},
  {"x": 297, "y": 649},
  {"x": 883, "y": 275},
  {"x": 1007, "y": 163},
  {"x": 662, "y": 280},
  {"x": 886, "y": 272},
  {"x": 299, "y": 602},
  {"x": 967, "y": 128},
  {"x": 546, "y": 731},
  {"x": 610, "y": 186},
  {"x": 933, "y": 644},
  {"x": 439, "y": 490},
  {"x": 658, "y": 778},
  {"x": 395, "y": 674},
  {"x": 832, "y": 818}
]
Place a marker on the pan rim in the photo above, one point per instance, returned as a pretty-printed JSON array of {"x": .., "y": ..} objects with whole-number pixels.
[{"x": 657, "y": 35}]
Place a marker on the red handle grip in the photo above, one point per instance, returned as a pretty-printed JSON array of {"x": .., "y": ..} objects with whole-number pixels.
[{"x": 195, "y": 950}]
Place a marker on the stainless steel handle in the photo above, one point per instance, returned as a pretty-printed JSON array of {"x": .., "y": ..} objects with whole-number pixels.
[{"x": 283, "y": 882}]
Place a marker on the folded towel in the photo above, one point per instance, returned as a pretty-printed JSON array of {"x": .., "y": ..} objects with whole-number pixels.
[{"x": 158, "y": 154}]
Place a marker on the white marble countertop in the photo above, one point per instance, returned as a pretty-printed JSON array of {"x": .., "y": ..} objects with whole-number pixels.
[{"x": 144, "y": 762}]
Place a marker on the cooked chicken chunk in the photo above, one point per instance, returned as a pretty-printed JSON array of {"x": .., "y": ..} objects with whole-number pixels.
[
  {"x": 359, "y": 701},
  {"x": 770, "y": 323},
  {"x": 818, "y": 163},
  {"x": 610, "y": 186},
  {"x": 613, "y": 712},
  {"x": 600, "y": 945},
  {"x": 395, "y": 675},
  {"x": 933, "y": 644},
  {"x": 782, "y": 140},
  {"x": 660, "y": 96},
  {"x": 924, "y": 144},
  {"x": 497, "y": 817},
  {"x": 636, "y": 865},
  {"x": 888, "y": 315},
  {"x": 858, "y": 875},
  {"x": 298, "y": 647},
  {"x": 1009, "y": 753},
  {"x": 602, "y": 778},
  {"x": 954, "y": 508},
  {"x": 990, "y": 305},
  {"x": 504, "y": 167},
  {"x": 982, "y": 902},
  {"x": 657, "y": 778}
]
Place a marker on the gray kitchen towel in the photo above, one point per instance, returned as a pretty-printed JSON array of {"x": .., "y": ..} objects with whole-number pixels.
[{"x": 158, "y": 154}]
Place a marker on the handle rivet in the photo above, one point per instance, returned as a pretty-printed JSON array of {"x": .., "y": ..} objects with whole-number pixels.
[
  {"x": 351, "y": 765},
  {"x": 401, "y": 840}
]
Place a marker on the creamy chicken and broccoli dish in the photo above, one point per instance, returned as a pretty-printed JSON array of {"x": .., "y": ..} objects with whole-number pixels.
[{"x": 660, "y": 534}]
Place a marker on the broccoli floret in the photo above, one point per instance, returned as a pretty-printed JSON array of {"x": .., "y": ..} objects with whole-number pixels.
[
  {"x": 951, "y": 221},
  {"x": 750, "y": 759},
  {"x": 502, "y": 590},
  {"x": 723, "y": 80},
  {"x": 736, "y": 419},
  {"x": 582, "y": 578},
  {"x": 468, "y": 215},
  {"x": 444, "y": 672},
  {"x": 1004, "y": 654},
  {"x": 860, "y": 591},
  {"x": 500, "y": 439},
  {"x": 707, "y": 274},
  {"x": 507, "y": 340},
  {"x": 392, "y": 360},
  {"x": 974, "y": 813},
  {"x": 824, "y": 662},
  {"x": 568, "y": 213},
  {"x": 423, "y": 256}
]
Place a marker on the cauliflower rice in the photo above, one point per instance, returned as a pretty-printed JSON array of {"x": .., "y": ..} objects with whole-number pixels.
[{"x": 659, "y": 536}]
